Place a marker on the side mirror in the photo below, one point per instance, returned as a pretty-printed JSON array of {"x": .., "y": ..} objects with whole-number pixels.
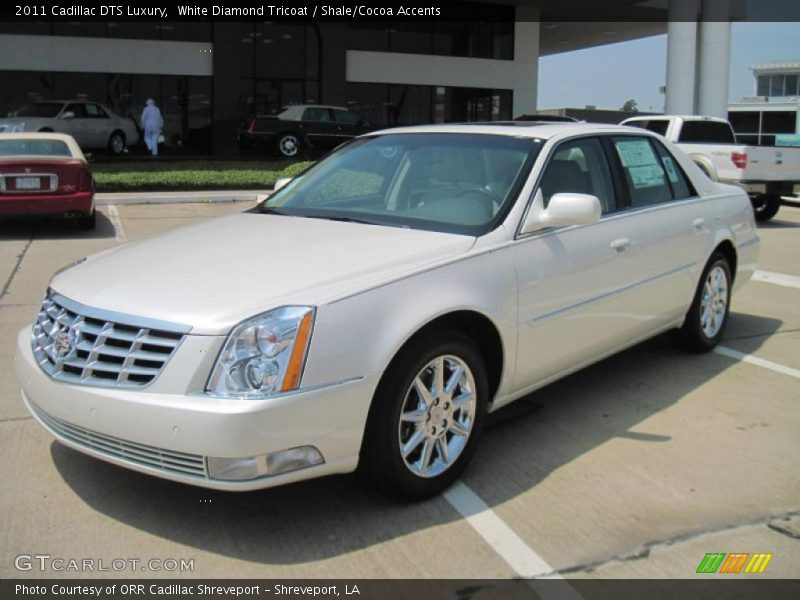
[
  {"x": 68, "y": 115},
  {"x": 563, "y": 210},
  {"x": 281, "y": 183}
]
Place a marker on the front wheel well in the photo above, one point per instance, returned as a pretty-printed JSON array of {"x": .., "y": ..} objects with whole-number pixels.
[
  {"x": 481, "y": 330},
  {"x": 729, "y": 252}
]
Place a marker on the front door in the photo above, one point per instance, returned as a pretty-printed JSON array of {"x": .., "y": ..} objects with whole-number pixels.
[{"x": 573, "y": 281}]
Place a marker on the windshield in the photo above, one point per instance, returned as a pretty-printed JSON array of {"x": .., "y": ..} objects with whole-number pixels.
[
  {"x": 47, "y": 110},
  {"x": 451, "y": 182},
  {"x": 34, "y": 148}
]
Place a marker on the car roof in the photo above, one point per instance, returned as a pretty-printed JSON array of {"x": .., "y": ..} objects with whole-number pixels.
[
  {"x": 528, "y": 129},
  {"x": 74, "y": 149},
  {"x": 684, "y": 117}
]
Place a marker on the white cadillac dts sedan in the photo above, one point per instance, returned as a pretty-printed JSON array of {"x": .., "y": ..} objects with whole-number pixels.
[{"x": 373, "y": 310}]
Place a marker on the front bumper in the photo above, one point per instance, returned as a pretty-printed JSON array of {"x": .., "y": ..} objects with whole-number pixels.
[
  {"x": 19, "y": 205},
  {"x": 103, "y": 422}
]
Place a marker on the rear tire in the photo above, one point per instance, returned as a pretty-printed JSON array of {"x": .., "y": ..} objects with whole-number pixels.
[
  {"x": 116, "y": 143},
  {"x": 88, "y": 222},
  {"x": 423, "y": 427},
  {"x": 765, "y": 207},
  {"x": 289, "y": 145},
  {"x": 706, "y": 320}
]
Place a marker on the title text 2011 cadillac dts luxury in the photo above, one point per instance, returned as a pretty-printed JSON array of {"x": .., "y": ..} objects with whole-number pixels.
[{"x": 373, "y": 310}]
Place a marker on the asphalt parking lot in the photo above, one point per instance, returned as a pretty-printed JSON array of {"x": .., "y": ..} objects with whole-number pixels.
[{"x": 635, "y": 467}]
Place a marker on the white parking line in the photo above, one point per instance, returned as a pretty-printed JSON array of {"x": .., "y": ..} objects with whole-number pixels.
[
  {"x": 792, "y": 281},
  {"x": 519, "y": 556},
  {"x": 113, "y": 215},
  {"x": 760, "y": 362}
]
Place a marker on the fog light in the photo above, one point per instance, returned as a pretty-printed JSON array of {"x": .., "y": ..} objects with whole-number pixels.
[
  {"x": 237, "y": 469},
  {"x": 253, "y": 467},
  {"x": 293, "y": 459}
]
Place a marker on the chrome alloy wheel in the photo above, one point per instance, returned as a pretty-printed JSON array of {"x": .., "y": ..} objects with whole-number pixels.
[
  {"x": 289, "y": 145},
  {"x": 117, "y": 144},
  {"x": 714, "y": 303},
  {"x": 437, "y": 416}
]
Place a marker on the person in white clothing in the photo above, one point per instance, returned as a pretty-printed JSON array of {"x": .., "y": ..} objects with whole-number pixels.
[{"x": 152, "y": 122}]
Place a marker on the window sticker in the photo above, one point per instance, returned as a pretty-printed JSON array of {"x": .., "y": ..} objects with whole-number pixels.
[
  {"x": 646, "y": 176},
  {"x": 671, "y": 172},
  {"x": 634, "y": 153}
]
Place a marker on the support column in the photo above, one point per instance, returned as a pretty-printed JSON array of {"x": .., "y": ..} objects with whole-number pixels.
[
  {"x": 714, "y": 59},
  {"x": 526, "y": 61},
  {"x": 227, "y": 112},
  {"x": 681, "y": 57}
]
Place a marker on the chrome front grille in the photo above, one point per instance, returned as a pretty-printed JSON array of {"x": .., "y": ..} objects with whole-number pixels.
[
  {"x": 76, "y": 344},
  {"x": 140, "y": 454}
]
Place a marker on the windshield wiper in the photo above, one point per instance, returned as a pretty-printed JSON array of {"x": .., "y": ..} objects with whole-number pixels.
[
  {"x": 269, "y": 210},
  {"x": 343, "y": 219}
]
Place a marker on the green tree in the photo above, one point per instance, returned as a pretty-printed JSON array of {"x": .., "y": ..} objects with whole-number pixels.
[{"x": 630, "y": 106}]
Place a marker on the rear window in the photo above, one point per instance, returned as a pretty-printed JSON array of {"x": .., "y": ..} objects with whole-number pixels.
[
  {"x": 706, "y": 132},
  {"x": 658, "y": 126},
  {"x": 34, "y": 148}
]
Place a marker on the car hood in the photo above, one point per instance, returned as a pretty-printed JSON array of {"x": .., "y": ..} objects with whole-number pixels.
[
  {"x": 9, "y": 121},
  {"x": 214, "y": 274}
]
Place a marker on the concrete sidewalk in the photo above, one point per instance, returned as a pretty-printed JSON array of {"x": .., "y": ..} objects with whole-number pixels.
[{"x": 181, "y": 197}]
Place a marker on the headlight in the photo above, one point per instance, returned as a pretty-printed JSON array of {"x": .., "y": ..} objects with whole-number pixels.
[{"x": 265, "y": 355}]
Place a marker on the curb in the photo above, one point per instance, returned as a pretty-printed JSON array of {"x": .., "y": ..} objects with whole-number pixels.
[{"x": 104, "y": 199}]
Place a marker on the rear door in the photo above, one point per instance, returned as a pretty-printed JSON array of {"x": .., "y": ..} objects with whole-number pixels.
[
  {"x": 668, "y": 229},
  {"x": 98, "y": 125}
]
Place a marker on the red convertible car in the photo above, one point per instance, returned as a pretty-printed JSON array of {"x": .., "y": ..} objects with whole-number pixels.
[{"x": 45, "y": 174}]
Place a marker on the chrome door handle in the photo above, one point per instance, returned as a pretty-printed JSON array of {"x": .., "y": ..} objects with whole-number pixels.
[
  {"x": 699, "y": 224},
  {"x": 621, "y": 244}
]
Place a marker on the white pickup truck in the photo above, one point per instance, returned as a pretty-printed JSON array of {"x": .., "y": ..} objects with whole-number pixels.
[{"x": 765, "y": 172}]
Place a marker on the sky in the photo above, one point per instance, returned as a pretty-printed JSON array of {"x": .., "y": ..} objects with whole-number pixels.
[{"x": 575, "y": 79}]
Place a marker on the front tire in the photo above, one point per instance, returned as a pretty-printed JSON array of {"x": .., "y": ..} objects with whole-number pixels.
[
  {"x": 765, "y": 207},
  {"x": 427, "y": 417},
  {"x": 706, "y": 320}
]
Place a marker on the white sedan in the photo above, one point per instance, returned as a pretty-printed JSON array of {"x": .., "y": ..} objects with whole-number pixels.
[{"x": 373, "y": 310}]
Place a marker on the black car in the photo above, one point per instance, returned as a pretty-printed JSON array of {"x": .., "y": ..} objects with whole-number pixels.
[{"x": 301, "y": 127}]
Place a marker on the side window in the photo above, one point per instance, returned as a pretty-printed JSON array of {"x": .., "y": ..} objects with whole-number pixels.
[
  {"x": 580, "y": 167},
  {"x": 317, "y": 115},
  {"x": 78, "y": 109},
  {"x": 95, "y": 111},
  {"x": 681, "y": 188},
  {"x": 644, "y": 171},
  {"x": 346, "y": 117}
]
